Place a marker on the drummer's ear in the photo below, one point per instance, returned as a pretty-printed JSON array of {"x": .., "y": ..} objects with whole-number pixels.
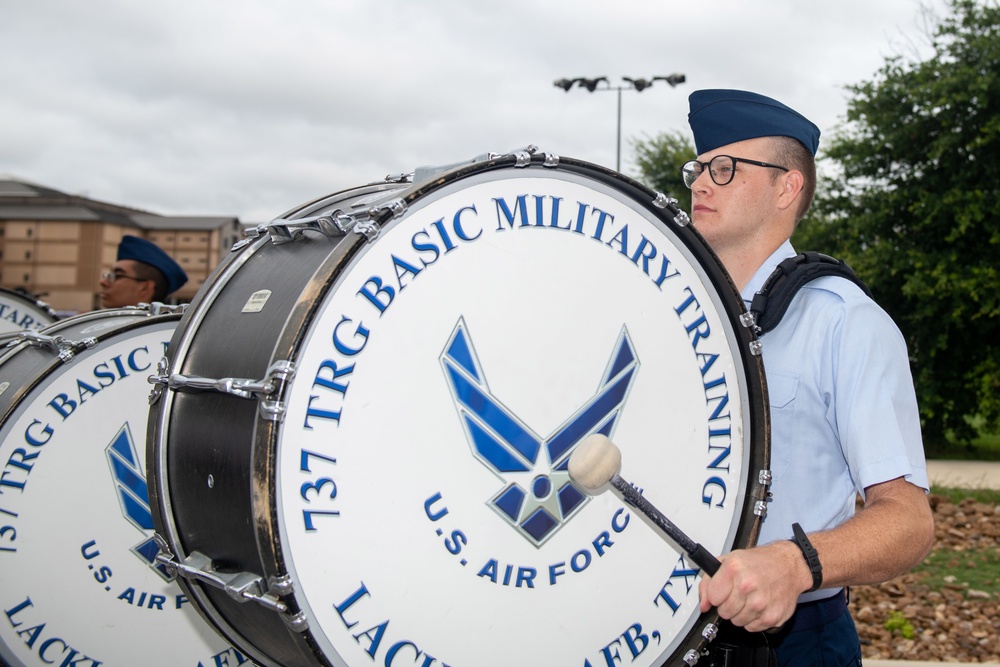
[
  {"x": 791, "y": 186},
  {"x": 147, "y": 288}
]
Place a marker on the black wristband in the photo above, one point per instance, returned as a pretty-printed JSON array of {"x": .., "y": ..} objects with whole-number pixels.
[{"x": 809, "y": 553}]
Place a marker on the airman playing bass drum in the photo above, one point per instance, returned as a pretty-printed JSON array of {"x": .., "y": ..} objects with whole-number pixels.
[
  {"x": 359, "y": 438},
  {"x": 79, "y": 582}
]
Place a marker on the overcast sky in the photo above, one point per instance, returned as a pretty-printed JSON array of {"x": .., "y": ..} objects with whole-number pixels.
[{"x": 251, "y": 107}]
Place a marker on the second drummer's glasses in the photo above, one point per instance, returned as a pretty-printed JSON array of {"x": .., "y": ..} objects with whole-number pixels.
[
  {"x": 111, "y": 277},
  {"x": 722, "y": 169}
]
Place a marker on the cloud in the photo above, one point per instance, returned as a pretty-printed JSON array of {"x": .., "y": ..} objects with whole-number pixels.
[{"x": 250, "y": 108}]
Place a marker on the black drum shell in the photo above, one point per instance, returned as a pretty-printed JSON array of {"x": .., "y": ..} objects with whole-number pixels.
[{"x": 217, "y": 431}]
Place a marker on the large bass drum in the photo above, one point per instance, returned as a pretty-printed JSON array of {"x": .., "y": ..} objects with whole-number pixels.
[
  {"x": 359, "y": 443},
  {"x": 79, "y": 582},
  {"x": 20, "y": 311}
]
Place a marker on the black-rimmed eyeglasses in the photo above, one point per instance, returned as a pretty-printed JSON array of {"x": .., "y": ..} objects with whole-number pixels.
[{"x": 721, "y": 168}]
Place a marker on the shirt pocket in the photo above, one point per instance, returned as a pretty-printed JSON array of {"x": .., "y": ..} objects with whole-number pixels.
[
  {"x": 781, "y": 388},
  {"x": 781, "y": 391}
]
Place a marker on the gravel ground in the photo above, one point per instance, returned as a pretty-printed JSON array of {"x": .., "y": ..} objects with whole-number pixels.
[{"x": 955, "y": 623}]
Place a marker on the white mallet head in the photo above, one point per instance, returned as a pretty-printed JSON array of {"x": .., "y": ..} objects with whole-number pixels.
[{"x": 594, "y": 462}]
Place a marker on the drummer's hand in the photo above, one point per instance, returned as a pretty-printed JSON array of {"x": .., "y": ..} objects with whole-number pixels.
[{"x": 757, "y": 588}]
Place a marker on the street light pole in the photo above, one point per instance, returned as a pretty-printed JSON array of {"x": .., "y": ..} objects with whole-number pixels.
[{"x": 637, "y": 85}]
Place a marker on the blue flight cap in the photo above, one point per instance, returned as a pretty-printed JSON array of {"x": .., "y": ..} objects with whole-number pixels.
[
  {"x": 721, "y": 117},
  {"x": 141, "y": 250}
]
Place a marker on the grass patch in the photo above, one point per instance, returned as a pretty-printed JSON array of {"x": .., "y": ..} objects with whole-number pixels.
[
  {"x": 988, "y": 496},
  {"x": 968, "y": 569},
  {"x": 897, "y": 621}
]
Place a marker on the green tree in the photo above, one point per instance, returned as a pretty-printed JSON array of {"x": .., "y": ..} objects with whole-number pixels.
[
  {"x": 659, "y": 160},
  {"x": 914, "y": 207}
]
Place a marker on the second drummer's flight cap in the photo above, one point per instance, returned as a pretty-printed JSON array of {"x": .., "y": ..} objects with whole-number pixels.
[
  {"x": 722, "y": 117},
  {"x": 147, "y": 252}
]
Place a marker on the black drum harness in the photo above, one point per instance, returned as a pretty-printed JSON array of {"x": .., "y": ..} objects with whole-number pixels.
[
  {"x": 772, "y": 300},
  {"x": 735, "y": 647}
]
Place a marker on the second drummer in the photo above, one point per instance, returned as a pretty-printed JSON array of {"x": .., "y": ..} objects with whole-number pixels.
[{"x": 143, "y": 273}]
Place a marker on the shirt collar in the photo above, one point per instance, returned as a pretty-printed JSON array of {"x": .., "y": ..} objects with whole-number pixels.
[{"x": 784, "y": 251}]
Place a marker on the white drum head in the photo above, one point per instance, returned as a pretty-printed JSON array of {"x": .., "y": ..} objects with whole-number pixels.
[
  {"x": 18, "y": 312},
  {"x": 422, "y": 497}
]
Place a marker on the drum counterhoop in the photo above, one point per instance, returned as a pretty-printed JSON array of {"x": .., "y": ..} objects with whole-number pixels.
[
  {"x": 358, "y": 441},
  {"x": 79, "y": 583}
]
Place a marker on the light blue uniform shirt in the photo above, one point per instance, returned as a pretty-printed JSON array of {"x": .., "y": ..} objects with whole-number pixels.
[{"x": 843, "y": 408}]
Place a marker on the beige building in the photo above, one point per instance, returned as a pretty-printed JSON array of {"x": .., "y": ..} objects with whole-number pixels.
[{"x": 57, "y": 245}]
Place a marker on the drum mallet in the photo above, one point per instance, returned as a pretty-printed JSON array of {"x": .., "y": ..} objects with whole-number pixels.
[{"x": 596, "y": 461}]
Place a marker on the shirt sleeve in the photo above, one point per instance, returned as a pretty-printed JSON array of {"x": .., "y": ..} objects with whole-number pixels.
[{"x": 876, "y": 406}]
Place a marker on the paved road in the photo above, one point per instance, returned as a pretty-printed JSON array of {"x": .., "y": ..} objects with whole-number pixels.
[{"x": 965, "y": 474}]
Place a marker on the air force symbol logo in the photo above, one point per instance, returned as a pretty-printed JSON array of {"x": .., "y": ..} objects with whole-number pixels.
[
  {"x": 133, "y": 495},
  {"x": 537, "y": 497}
]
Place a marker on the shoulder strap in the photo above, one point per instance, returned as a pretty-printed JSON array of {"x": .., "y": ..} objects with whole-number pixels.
[{"x": 770, "y": 303}]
